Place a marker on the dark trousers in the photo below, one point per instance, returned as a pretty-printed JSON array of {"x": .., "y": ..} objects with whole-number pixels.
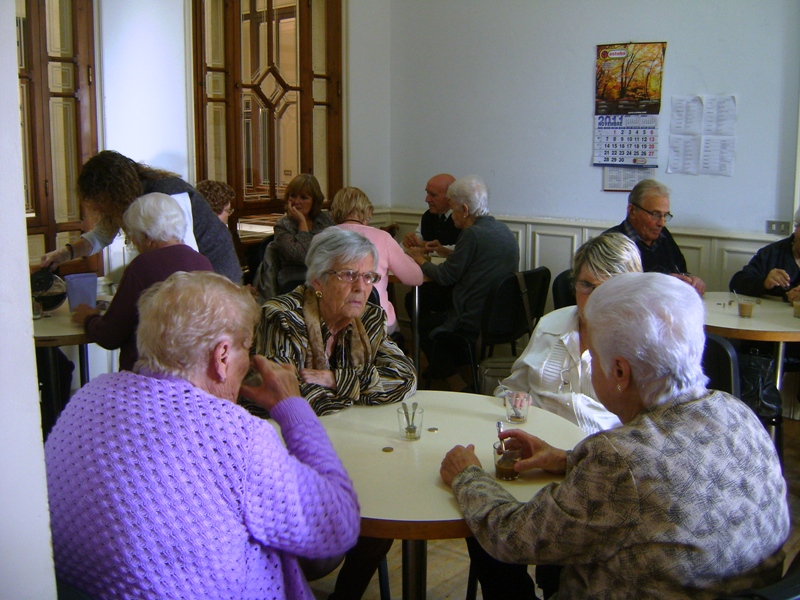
[
  {"x": 360, "y": 564},
  {"x": 433, "y": 298},
  {"x": 505, "y": 581}
]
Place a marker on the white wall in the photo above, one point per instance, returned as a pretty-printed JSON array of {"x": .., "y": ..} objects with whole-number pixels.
[
  {"x": 26, "y": 564},
  {"x": 505, "y": 89},
  {"x": 367, "y": 98},
  {"x": 144, "y": 82}
]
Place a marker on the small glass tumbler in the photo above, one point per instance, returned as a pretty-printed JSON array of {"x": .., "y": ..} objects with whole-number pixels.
[
  {"x": 36, "y": 306},
  {"x": 504, "y": 460},
  {"x": 409, "y": 423},
  {"x": 517, "y": 404}
]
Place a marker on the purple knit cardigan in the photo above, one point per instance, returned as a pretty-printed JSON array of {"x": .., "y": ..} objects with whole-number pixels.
[{"x": 159, "y": 490}]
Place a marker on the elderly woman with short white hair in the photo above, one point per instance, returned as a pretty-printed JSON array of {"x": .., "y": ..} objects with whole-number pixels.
[
  {"x": 326, "y": 328},
  {"x": 155, "y": 225},
  {"x": 685, "y": 499},
  {"x": 161, "y": 486}
]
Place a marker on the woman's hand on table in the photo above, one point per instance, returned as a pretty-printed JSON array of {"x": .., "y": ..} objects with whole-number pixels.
[
  {"x": 536, "y": 453},
  {"x": 455, "y": 461},
  {"x": 83, "y": 312},
  {"x": 324, "y": 378},
  {"x": 279, "y": 381}
]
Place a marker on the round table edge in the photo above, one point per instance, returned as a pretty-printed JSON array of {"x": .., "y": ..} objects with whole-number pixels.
[
  {"x": 414, "y": 530},
  {"x": 753, "y": 335}
]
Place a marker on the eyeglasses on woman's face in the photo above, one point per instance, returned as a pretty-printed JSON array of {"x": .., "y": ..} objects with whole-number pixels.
[
  {"x": 655, "y": 215},
  {"x": 369, "y": 277}
]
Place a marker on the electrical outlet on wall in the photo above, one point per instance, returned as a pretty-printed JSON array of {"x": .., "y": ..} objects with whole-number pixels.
[{"x": 779, "y": 227}]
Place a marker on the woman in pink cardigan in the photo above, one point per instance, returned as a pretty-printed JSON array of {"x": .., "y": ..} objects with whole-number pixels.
[{"x": 351, "y": 209}]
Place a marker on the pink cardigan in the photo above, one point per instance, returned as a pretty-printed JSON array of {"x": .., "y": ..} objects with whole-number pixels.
[{"x": 391, "y": 257}]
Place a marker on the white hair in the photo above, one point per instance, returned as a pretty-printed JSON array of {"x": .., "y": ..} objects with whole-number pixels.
[
  {"x": 155, "y": 216},
  {"x": 182, "y": 318},
  {"x": 655, "y": 322},
  {"x": 472, "y": 191},
  {"x": 333, "y": 247}
]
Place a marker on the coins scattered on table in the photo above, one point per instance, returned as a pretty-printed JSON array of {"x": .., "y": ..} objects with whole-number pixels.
[
  {"x": 433, "y": 429},
  {"x": 388, "y": 449}
]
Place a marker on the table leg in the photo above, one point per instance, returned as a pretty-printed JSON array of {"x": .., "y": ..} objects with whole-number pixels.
[
  {"x": 415, "y": 330},
  {"x": 415, "y": 569},
  {"x": 83, "y": 362},
  {"x": 780, "y": 350}
]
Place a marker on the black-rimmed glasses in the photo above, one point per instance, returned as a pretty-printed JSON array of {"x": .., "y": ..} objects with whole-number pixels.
[{"x": 655, "y": 215}]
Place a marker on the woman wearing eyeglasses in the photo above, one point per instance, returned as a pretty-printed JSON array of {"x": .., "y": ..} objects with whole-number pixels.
[
  {"x": 326, "y": 328},
  {"x": 555, "y": 368},
  {"x": 338, "y": 342}
]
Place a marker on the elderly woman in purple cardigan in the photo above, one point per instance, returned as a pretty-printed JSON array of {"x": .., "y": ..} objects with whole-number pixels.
[{"x": 162, "y": 487}]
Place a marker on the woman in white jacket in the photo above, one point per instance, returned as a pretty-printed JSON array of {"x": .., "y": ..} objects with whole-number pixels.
[{"x": 555, "y": 368}]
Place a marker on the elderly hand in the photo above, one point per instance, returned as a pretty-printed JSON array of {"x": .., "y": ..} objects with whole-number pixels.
[
  {"x": 793, "y": 295},
  {"x": 536, "y": 453},
  {"x": 697, "y": 283},
  {"x": 455, "y": 461},
  {"x": 411, "y": 240},
  {"x": 83, "y": 312},
  {"x": 777, "y": 277},
  {"x": 324, "y": 378},
  {"x": 279, "y": 381},
  {"x": 418, "y": 254},
  {"x": 436, "y": 247}
]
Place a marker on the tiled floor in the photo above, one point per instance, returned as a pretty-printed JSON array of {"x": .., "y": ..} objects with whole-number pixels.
[{"x": 448, "y": 563}]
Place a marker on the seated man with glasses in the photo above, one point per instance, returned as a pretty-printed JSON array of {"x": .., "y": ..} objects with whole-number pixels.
[
  {"x": 648, "y": 213},
  {"x": 774, "y": 270}
]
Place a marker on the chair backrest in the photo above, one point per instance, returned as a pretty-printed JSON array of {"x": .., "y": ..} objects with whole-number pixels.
[
  {"x": 537, "y": 282},
  {"x": 721, "y": 365},
  {"x": 505, "y": 318},
  {"x": 563, "y": 293},
  {"x": 254, "y": 255},
  {"x": 266, "y": 277}
]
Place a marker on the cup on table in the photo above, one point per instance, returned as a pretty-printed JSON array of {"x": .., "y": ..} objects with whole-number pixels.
[
  {"x": 504, "y": 460},
  {"x": 796, "y": 306},
  {"x": 746, "y": 307},
  {"x": 36, "y": 306},
  {"x": 409, "y": 423},
  {"x": 516, "y": 404},
  {"x": 81, "y": 289}
]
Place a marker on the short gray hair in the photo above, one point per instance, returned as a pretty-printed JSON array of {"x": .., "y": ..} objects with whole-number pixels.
[
  {"x": 183, "y": 318},
  {"x": 607, "y": 255},
  {"x": 472, "y": 191},
  {"x": 155, "y": 216},
  {"x": 655, "y": 322},
  {"x": 336, "y": 246},
  {"x": 646, "y": 187}
]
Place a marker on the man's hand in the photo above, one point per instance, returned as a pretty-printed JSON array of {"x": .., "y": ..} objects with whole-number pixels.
[
  {"x": 777, "y": 277},
  {"x": 418, "y": 254},
  {"x": 536, "y": 453},
  {"x": 697, "y": 283},
  {"x": 411, "y": 240},
  {"x": 279, "y": 381},
  {"x": 436, "y": 247},
  {"x": 455, "y": 461}
]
